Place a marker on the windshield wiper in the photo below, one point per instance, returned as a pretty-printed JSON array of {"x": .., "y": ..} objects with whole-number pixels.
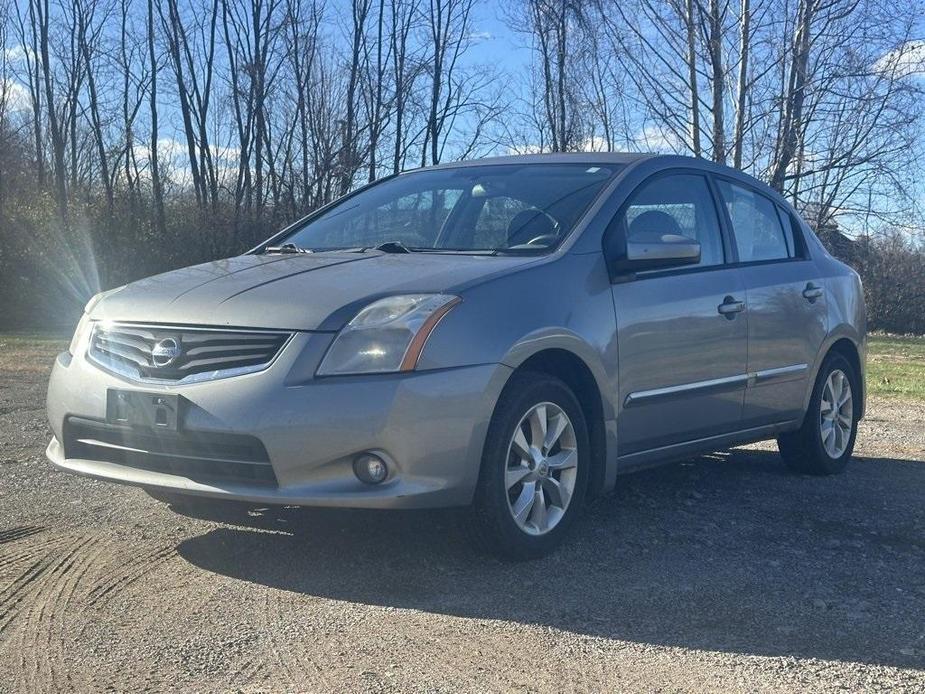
[
  {"x": 287, "y": 248},
  {"x": 393, "y": 247}
]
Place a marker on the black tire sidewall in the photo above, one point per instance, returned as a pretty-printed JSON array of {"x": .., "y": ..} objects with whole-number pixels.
[
  {"x": 828, "y": 464},
  {"x": 491, "y": 504}
]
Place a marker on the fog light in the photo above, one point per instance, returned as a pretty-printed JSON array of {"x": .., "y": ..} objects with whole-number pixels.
[{"x": 370, "y": 468}]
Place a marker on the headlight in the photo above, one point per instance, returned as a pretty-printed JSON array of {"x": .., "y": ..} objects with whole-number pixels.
[
  {"x": 81, "y": 333},
  {"x": 386, "y": 336}
]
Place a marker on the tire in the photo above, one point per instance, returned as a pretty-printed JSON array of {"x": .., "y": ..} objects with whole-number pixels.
[
  {"x": 558, "y": 474},
  {"x": 810, "y": 451}
]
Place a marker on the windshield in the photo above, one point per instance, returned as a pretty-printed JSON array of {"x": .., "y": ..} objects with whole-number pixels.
[{"x": 522, "y": 207}]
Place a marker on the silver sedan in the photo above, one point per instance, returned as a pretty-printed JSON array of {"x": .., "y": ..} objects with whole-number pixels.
[{"x": 506, "y": 335}]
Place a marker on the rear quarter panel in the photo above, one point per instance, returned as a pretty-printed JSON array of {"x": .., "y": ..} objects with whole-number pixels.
[{"x": 846, "y": 311}]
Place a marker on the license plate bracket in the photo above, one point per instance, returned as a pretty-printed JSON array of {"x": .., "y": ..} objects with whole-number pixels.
[{"x": 140, "y": 409}]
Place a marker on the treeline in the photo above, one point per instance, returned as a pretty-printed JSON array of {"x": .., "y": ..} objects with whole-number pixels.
[{"x": 141, "y": 135}]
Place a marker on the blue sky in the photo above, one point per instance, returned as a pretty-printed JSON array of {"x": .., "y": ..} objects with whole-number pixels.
[{"x": 498, "y": 45}]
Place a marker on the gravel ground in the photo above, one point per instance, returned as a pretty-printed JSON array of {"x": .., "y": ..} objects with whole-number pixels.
[{"x": 724, "y": 573}]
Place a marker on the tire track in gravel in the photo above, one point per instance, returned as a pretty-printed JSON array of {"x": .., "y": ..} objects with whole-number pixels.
[
  {"x": 17, "y": 582},
  {"x": 67, "y": 583},
  {"x": 41, "y": 623},
  {"x": 130, "y": 569},
  {"x": 298, "y": 669},
  {"x": 18, "y": 533}
]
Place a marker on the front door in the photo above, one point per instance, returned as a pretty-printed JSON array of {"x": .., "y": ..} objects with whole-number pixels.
[{"x": 682, "y": 333}]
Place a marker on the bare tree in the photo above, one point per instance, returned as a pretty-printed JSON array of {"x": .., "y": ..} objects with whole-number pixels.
[
  {"x": 738, "y": 137},
  {"x": 350, "y": 159},
  {"x": 448, "y": 24},
  {"x": 89, "y": 28},
  {"x": 39, "y": 16},
  {"x": 557, "y": 29},
  {"x": 157, "y": 189},
  {"x": 28, "y": 36},
  {"x": 406, "y": 68}
]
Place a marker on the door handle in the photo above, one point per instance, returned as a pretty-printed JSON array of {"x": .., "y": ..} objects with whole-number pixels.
[
  {"x": 812, "y": 292},
  {"x": 730, "y": 307}
]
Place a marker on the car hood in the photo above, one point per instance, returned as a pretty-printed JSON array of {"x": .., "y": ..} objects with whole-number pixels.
[{"x": 317, "y": 291}]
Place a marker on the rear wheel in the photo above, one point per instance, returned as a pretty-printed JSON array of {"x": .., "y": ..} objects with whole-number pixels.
[
  {"x": 534, "y": 469},
  {"x": 825, "y": 442}
]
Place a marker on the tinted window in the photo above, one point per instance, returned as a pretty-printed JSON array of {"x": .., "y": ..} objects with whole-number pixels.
[
  {"x": 677, "y": 204},
  {"x": 490, "y": 207},
  {"x": 758, "y": 232}
]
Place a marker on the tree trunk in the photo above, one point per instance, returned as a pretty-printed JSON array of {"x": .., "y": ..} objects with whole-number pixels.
[
  {"x": 156, "y": 188},
  {"x": 691, "y": 27},
  {"x": 719, "y": 81},
  {"x": 742, "y": 86}
]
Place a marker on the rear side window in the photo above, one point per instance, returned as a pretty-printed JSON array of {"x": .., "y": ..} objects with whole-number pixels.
[
  {"x": 759, "y": 234},
  {"x": 790, "y": 235},
  {"x": 677, "y": 204}
]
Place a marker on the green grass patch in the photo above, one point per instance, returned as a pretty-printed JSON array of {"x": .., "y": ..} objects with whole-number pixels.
[{"x": 896, "y": 366}]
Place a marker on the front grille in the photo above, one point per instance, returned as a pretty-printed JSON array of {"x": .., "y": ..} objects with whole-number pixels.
[
  {"x": 165, "y": 353},
  {"x": 195, "y": 455}
]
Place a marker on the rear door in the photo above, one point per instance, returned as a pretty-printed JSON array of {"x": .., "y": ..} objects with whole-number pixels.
[
  {"x": 786, "y": 304},
  {"x": 681, "y": 333}
]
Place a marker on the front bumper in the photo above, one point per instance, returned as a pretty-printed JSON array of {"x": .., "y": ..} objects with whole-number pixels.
[{"x": 429, "y": 426}]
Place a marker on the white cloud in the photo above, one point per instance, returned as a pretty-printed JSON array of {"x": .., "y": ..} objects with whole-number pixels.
[
  {"x": 594, "y": 144},
  {"x": 906, "y": 61},
  {"x": 525, "y": 149},
  {"x": 14, "y": 96},
  {"x": 173, "y": 158},
  {"x": 654, "y": 139},
  {"x": 480, "y": 36},
  {"x": 18, "y": 53}
]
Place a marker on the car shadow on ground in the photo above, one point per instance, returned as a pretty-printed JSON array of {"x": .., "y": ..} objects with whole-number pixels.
[{"x": 727, "y": 552}]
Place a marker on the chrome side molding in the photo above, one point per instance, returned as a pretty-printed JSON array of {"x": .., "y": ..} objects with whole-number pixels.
[{"x": 750, "y": 380}]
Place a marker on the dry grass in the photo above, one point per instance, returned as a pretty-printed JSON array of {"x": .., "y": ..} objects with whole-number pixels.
[{"x": 29, "y": 352}]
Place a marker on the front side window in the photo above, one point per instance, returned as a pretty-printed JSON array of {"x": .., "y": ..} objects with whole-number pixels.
[
  {"x": 756, "y": 225},
  {"x": 677, "y": 204},
  {"x": 509, "y": 208}
]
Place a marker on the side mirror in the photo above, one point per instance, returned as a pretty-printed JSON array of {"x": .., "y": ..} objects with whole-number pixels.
[{"x": 655, "y": 251}]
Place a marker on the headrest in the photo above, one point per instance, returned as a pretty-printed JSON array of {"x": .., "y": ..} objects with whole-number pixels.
[{"x": 655, "y": 221}]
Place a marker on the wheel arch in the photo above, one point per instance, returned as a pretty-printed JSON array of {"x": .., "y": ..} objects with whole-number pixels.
[
  {"x": 566, "y": 365},
  {"x": 850, "y": 351},
  {"x": 851, "y": 346}
]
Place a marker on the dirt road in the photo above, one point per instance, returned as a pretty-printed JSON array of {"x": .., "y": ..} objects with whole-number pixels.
[{"x": 725, "y": 573}]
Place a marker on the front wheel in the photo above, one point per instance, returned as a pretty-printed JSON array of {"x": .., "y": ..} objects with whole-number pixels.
[
  {"x": 823, "y": 445},
  {"x": 534, "y": 469}
]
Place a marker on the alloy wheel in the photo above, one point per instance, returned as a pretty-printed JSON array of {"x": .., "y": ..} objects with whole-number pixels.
[
  {"x": 541, "y": 469},
  {"x": 836, "y": 415}
]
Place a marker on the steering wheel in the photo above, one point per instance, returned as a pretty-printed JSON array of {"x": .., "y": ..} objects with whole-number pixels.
[{"x": 542, "y": 240}]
